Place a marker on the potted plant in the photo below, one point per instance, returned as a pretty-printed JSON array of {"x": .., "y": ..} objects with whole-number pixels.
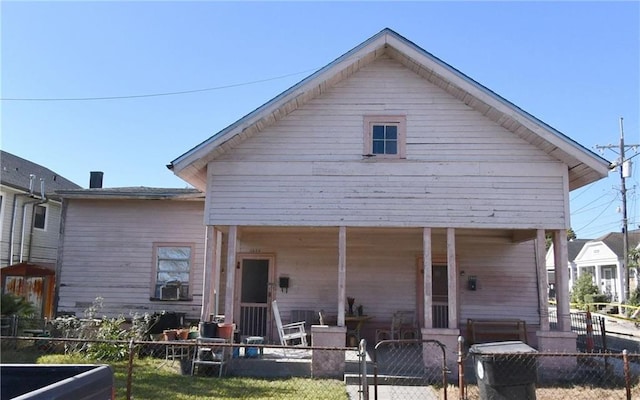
[
  {"x": 182, "y": 334},
  {"x": 194, "y": 332}
]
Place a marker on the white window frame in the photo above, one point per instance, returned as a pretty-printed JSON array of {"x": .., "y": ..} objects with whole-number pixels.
[
  {"x": 46, "y": 217},
  {"x": 397, "y": 120},
  {"x": 155, "y": 288}
]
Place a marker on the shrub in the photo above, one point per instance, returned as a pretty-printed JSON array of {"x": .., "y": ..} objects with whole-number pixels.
[
  {"x": 11, "y": 304},
  {"x": 582, "y": 287},
  {"x": 102, "y": 330}
]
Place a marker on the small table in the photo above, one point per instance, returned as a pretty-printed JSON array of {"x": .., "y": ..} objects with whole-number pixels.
[{"x": 354, "y": 325}]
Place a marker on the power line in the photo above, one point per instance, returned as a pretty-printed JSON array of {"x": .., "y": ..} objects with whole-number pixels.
[
  {"x": 597, "y": 216},
  {"x": 624, "y": 166},
  {"x": 138, "y": 96},
  {"x": 596, "y": 207},
  {"x": 576, "y": 211}
]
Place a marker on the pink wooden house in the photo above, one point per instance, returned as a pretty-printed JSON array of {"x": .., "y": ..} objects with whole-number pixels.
[{"x": 390, "y": 177}]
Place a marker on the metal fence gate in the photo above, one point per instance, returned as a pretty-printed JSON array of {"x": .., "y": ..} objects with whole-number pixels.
[{"x": 410, "y": 369}]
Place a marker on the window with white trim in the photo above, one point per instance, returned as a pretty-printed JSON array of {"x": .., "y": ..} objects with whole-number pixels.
[
  {"x": 385, "y": 136},
  {"x": 172, "y": 271},
  {"x": 40, "y": 217}
]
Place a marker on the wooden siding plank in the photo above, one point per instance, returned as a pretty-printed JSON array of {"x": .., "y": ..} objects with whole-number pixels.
[
  {"x": 466, "y": 170},
  {"x": 110, "y": 244}
]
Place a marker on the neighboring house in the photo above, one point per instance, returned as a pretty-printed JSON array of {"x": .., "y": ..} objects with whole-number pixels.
[
  {"x": 390, "y": 177},
  {"x": 141, "y": 249},
  {"x": 30, "y": 218},
  {"x": 30, "y": 228},
  {"x": 573, "y": 248},
  {"x": 603, "y": 258}
]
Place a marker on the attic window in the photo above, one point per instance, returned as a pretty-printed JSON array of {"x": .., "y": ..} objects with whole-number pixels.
[{"x": 384, "y": 136}]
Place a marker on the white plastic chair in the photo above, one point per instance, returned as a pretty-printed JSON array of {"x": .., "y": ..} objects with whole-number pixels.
[
  {"x": 292, "y": 332},
  {"x": 393, "y": 332}
]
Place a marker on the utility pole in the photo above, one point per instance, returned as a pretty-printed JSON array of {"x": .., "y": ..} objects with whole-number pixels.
[{"x": 624, "y": 166}]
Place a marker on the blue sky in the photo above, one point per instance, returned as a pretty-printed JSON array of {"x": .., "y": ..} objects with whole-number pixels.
[{"x": 574, "y": 65}]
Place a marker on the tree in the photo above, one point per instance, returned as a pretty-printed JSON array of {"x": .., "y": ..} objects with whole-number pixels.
[{"x": 571, "y": 235}]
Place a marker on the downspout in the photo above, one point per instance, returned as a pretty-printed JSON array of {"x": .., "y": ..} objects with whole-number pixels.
[
  {"x": 13, "y": 217},
  {"x": 58, "y": 275},
  {"x": 44, "y": 200},
  {"x": 13, "y": 226},
  {"x": 33, "y": 203}
]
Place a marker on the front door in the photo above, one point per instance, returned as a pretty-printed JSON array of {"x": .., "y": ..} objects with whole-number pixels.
[{"x": 255, "y": 295}]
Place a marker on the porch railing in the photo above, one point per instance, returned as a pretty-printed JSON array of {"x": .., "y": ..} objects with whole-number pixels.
[
  {"x": 253, "y": 320},
  {"x": 440, "y": 315}
]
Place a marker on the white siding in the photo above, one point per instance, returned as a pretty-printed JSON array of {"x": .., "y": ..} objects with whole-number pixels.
[
  {"x": 462, "y": 170},
  {"x": 44, "y": 248},
  {"x": 108, "y": 252},
  {"x": 382, "y": 271},
  {"x": 41, "y": 247},
  {"x": 506, "y": 280}
]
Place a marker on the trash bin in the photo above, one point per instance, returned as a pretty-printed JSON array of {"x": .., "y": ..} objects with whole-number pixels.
[
  {"x": 208, "y": 329},
  {"x": 504, "y": 372}
]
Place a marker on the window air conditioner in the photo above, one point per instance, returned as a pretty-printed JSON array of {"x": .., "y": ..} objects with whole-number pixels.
[{"x": 169, "y": 293}]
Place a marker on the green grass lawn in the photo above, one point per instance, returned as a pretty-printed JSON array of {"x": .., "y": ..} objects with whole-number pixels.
[{"x": 158, "y": 379}]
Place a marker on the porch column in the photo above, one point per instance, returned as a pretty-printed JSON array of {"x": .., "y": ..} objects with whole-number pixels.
[
  {"x": 217, "y": 270},
  {"x": 573, "y": 270},
  {"x": 231, "y": 274},
  {"x": 428, "y": 278},
  {"x": 562, "y": 285},
  {"x": 597, "y": 275},
  {"x": 620, "y": 281},
  {"x": 342, "y": 273},
  {"x": 207, "y": 273},
  {"x": 543, "y": 284},
  {"x": 452, "y": 275}
]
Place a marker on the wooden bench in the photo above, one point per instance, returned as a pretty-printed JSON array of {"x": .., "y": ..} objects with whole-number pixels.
[{"x": 495, "y": 330}]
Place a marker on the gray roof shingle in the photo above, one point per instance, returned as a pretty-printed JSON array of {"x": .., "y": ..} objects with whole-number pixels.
[{"x": 15, "y": 172}]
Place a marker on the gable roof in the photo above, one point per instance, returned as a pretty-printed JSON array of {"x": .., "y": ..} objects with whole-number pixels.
[
  {"x": 614, "y": 241},
  {"x": 16, "y": 173},
  {"x": 584, "y": 165},
  {"x": 574, "y": 247}
]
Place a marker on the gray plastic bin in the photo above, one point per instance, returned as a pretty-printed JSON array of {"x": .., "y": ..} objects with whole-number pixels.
[{"x": 503, "y": 374}]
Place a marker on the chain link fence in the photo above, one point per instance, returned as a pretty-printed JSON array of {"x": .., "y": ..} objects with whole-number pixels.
[
  {"x": 409, "y": 369},
  {"x": 166, "y": 369},
  {"x": 544, "y": 376},
  {"x": 406, "y": 369}
]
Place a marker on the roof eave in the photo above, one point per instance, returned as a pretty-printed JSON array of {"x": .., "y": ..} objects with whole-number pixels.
[{"x": 584, "y": 165}]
